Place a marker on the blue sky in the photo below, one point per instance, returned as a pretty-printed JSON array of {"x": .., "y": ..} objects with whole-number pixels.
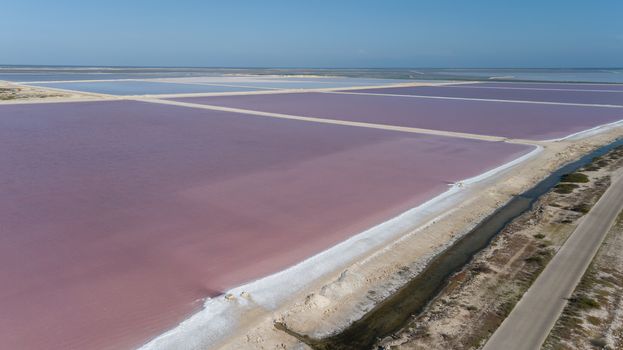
[{"x": 338, "y": 33}]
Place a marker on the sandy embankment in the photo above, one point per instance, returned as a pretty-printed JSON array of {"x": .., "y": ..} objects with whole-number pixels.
[
  {"x": 244, "y": 319},
  {"x": 17, "y": 93},
  {"x": 480, "y": 296},
  {"x": 13, "y": 93}
]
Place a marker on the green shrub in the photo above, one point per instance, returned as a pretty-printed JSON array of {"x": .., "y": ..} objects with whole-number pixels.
[
  {"x": 599, "y": 342},
  {"x": 574, "y": 177},
  {"x": 565, "y": 188},
  {"x": 535, "y": 259},
  {"x": 583, "y": 302},
  {"x": 591, "y": 168},
  {"x": 581, "y": 208}
]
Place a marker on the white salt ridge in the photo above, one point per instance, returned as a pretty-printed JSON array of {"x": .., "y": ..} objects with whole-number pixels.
[{"x": 589, "y": 132}]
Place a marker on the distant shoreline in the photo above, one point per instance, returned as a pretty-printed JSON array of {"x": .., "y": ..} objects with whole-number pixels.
[{"x": 602, "y": 75}]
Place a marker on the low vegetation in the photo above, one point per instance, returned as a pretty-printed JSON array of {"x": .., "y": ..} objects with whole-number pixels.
[
  {"x": 10, "y": 92},
  {"x": 581, "y": 208},
  {"x": 565, "y": 188},
  {"x": 583, "y": 302},
  {"x": 600, "y": 162},
  {"x": 574, "y": 177}
]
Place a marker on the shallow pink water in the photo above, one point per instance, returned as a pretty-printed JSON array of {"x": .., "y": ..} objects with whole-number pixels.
[{"x": 117, "y": 218}]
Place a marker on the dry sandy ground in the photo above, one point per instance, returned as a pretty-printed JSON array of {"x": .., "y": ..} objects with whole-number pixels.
[
  {"x": 13, "y": 93},
  {"x": 331, "y": 304},
  {"x": 479, "y": 297}
]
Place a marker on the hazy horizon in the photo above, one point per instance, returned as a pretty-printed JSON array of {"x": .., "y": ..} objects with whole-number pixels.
[
  {"x": 323, "y": 34},
  {"x": 3, "y": 65}
]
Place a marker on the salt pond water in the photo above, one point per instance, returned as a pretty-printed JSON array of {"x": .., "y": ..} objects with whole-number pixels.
[
  {"x": 141, "y": 87},
  {"x": 119, "y": 217}
]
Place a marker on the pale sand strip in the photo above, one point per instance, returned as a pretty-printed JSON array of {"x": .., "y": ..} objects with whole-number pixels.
[
  {"x": 69, "y": 91},
  {"x": 478, "y": 99},
  {"x": 342, "y": 122},
  {"x": 36, "y": 94}
]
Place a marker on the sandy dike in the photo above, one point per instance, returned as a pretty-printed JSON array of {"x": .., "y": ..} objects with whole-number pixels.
[
  {"x": 11, "y": 93},
  {"x": 323, "y": 294}
]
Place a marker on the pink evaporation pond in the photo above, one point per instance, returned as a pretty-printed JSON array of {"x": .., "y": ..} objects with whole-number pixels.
[
  {"x": 531, "y": 121},
  {"x": 473, "y": 91},
  {"x": 118, "y": 218},
  {"x": 557, "y": 86}
]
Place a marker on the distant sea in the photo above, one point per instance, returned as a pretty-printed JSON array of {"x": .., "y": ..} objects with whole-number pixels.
[{"x": 49, "y": 73}]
